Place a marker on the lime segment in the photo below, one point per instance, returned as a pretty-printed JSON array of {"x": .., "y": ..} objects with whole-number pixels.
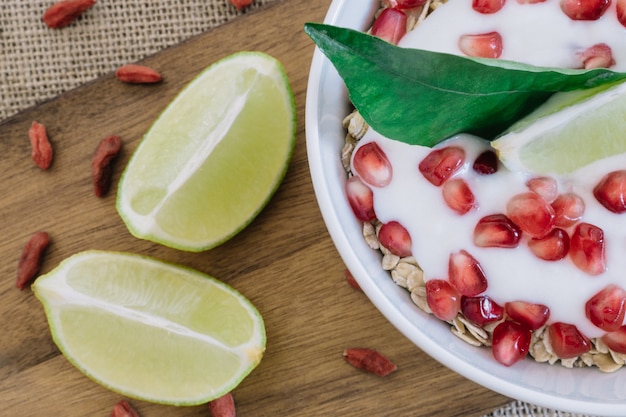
[
  {"x": 567, "y": 132},
  {"x": 151, "y": 330},
  {"x": 214, "y": 157}
]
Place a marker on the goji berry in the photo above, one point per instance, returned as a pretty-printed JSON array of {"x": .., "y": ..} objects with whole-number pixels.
[
  {"x": 350, "y": 279},
  {"x": 123, "y": 409},
  {"x": 62, "y": 13},
  {"x": 369, "y": 360},
  {"x": 31, "y": 258},
  {"x": 41, "y": 149},
  {"x": 240, "y": 4},
  {"x": 102, "y": 164},
  {"x": 223, "y": 406},
  {"x": 137, "y": 74}
]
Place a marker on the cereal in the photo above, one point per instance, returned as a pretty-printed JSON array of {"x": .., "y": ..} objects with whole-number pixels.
[
  {"x": 390, "y": 261},
  {"x": 356, "y": 125},
  {"x": 369, "y": 233},
  {"x": 418, "y": 296},
  {"x": 123, "y": 409}
]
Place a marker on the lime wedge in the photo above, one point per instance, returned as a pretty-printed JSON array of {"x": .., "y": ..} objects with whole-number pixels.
[
  {"x": 570, "y": 130},
  {"x": 214, "y": 157},
  {"x": 151, "y": 330}
]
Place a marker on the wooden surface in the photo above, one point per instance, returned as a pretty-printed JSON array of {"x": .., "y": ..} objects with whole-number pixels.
[{"x": 284, "y": 262}]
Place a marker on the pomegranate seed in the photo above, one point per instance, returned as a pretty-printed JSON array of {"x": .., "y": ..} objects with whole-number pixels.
[
  {"x": 441, "y": 164},
  {"x": 546, "y": 187},
  {"x": 620, "y": 6},
  {"x": 458, "y": 196},
  {"x": 566, "y": 341},
  {"x": 443, "y": 299},
  {"x": 587, "y": 249},
  {"x": 481, "y": 310},
  {"x": 486, "y": 163},
  {"x": 405, "y": 4},
  {"x": 484, "y": 45},
  {"x": 606, "y": 309},
  {"x": 568, "y": 209},
  {"x": 371, "y": 164},
  {"x": 616, "y": 341},
  {"x": 510, "y": 342},
  {"x": 360, "y": 198},
  {"x": 395, "y": 238},
  {"x": 466, "y": 274},
  {"x": 531, "y": 316},
  {"x": 390, "y": 25},
  {"x": 531, "y": 213},
  {"x": 551, "y": 247},
  {"x": 496, "y": 231},
  {"x": 597, "y": 56},
  {"x": 584, "y": 9},
  {"x": 611, "y": 191},
  {"x": 487, "y": 6}
]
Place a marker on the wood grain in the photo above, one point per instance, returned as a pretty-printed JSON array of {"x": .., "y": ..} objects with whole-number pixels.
[{"x": 284, "y": 261}]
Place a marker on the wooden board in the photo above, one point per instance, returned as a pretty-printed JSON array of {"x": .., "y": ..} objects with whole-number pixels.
[{"x": 284, "y": 261}]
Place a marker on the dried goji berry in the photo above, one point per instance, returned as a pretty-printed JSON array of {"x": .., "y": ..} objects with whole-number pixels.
[
  {"x": 137, "y": 74},
  {"x": 62, "y": 13},
  {"x": 41, "y": 149},
  {"x": 31, "y": 258},
  {"x": 123, "y": 409},
  {"x": 223, "y": 406},
  {"x": 102, "y": 164},
  {"x": 350, "y": 278},
  {"x": 240, "y": 4},
  {"x": 369, "y": 360}
]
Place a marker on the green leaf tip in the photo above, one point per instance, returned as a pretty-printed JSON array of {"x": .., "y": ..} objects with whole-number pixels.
[{"x": 422, "y": 97}]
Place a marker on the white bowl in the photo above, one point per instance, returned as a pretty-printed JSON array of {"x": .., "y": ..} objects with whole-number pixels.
[{"x": 576, "y": 390}]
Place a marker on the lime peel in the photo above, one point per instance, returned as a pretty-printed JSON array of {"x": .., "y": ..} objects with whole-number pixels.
[
  {"x": 569, "y": 131},
  {"x": 151, "y": 330},
  {"x": 214, "y": 157}
]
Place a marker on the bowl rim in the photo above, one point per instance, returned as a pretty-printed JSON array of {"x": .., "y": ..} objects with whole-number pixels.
[{"x": 326, "y": 106}]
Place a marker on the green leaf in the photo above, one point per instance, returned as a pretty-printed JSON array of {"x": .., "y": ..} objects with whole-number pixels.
[{"x": 422, "y": 97}]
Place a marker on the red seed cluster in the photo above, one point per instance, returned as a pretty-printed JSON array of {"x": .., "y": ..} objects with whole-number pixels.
[
  {"x": 548, "y": 222},
  {"x": 491, "y": 45}
]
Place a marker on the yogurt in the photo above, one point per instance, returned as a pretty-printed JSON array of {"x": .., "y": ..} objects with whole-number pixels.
[
  {"x": 513, "y": 274},
  {"x": 539, "y": 34},
  {"x": 534, "y": 33}
]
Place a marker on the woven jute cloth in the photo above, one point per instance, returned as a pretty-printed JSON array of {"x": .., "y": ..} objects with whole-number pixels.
[
  {"x": 37, "y": 63},
  {"x": 521, "y": 409}
]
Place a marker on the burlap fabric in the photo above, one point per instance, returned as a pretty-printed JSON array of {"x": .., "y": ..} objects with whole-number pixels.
[{"x": 37, "y": 63}]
